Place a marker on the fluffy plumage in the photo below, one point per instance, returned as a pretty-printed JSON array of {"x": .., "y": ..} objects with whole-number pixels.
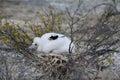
[{"x": 52, "y": 43}]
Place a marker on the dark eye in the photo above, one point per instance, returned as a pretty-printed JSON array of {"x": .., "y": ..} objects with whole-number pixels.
[{"x": 35, "y": 44}]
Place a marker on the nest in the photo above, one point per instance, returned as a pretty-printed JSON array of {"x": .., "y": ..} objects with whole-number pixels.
[{"x": 53, "y": 65}]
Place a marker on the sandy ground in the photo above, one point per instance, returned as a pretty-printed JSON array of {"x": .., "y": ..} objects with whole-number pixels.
[{"x": 19, "y": 11}]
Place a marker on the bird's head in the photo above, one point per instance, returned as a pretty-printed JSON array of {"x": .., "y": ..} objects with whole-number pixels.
[{"x": 36, "y": 43}]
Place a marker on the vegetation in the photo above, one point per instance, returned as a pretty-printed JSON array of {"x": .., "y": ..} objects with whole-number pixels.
[{"x": 95, "y": 43}]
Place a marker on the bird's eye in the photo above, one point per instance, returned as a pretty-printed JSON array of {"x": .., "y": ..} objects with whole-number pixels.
[{"x": 35, "y": 44}]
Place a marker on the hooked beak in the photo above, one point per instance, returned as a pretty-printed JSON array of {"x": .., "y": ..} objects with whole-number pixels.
[{"x": 32, "y": 47}]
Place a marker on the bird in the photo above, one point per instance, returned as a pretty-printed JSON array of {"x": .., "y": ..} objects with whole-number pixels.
[{"x": 53, "y": 43}]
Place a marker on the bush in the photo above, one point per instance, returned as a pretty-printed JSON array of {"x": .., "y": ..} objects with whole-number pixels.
[{"x": 94, "y": 45}]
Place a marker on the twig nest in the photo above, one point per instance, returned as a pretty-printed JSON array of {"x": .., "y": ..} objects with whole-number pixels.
[
  {"x": 53, "y": 59},
  {"x": 53, "y": 63}
]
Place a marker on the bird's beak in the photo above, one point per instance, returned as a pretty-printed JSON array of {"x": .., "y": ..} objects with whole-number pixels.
[{"x": 31, "y": 47}]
